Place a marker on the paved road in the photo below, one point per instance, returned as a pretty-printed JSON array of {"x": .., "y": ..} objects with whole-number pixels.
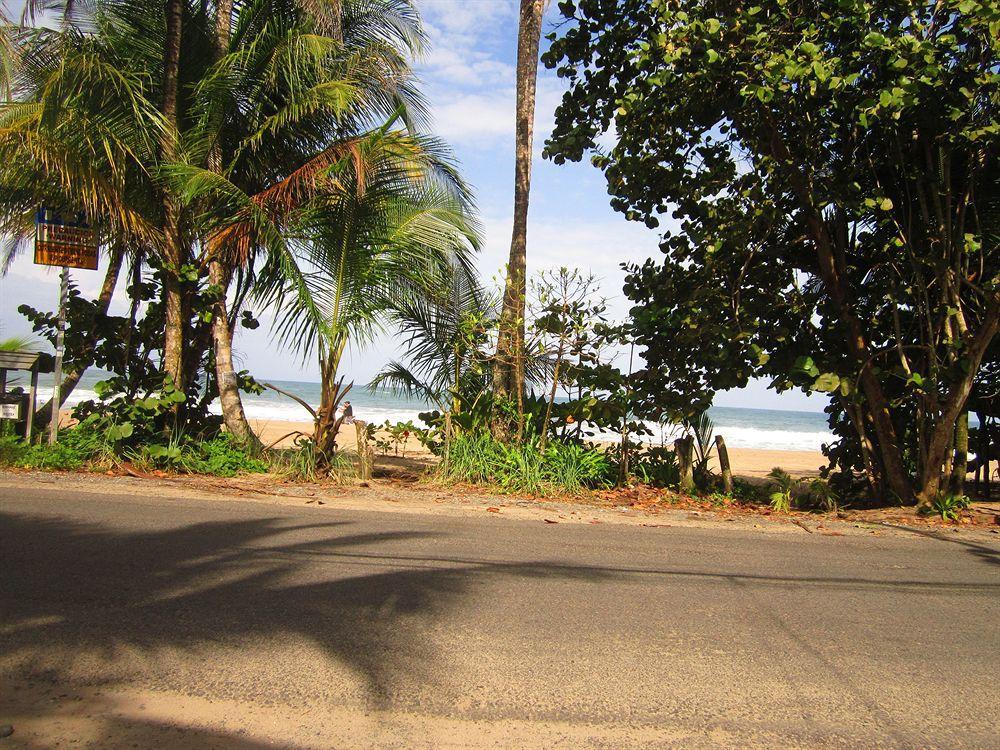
[{"x": 184, "y": 623}]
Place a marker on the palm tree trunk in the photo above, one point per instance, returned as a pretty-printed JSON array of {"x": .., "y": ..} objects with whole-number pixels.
[
  {"x": 509, "y": 366},
  {"x": 218, "y": 275},
  {"x": 176, "y": 320},
  {"x": 44, "y": 415},
  {"x": 225, "y": 374}
]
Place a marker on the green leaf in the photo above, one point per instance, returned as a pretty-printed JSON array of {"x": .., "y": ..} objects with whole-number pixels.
[
  {"x": 828, "y": 382},
  {"x": 120, "y": 431},
  {"x": 806, "y": 366}
]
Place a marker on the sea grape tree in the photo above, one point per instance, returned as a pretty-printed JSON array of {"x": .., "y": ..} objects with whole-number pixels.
[{"x": 828, "y": 172}]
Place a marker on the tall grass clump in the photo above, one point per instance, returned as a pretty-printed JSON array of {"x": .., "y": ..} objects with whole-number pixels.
[{"x": 562, "y": 468}]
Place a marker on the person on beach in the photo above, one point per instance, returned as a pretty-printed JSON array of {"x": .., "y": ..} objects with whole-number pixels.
[{"x": 347, "y": 413}]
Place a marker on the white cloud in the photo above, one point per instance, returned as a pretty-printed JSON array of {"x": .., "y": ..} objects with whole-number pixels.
[
  {"x": 465, "y": 17},
  {"x": 598, "y": 246},
  {"x": 477, "y": 119}
]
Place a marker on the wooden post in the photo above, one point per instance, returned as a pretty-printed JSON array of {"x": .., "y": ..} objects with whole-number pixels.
[
  {"x": 60, "y": 351},
  {"x": 364, "y": 451},
  {"x": 987, "y": 443},
  {"x": 683, "y": 447},
  {"x": 727, "y": 472},
  {"x": 32, "y": 390}
]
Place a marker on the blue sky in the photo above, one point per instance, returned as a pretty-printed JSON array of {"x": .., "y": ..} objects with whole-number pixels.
[{"x": 468, "y": 78}]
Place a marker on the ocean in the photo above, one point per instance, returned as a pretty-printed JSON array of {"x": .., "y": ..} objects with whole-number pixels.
[{"x": 742, "y": 428}]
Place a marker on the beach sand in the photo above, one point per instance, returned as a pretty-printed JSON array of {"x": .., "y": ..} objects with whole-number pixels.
[{"x": 746, "y": 462}]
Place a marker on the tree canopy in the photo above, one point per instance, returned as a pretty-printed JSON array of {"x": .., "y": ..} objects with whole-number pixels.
[{"x": 830, "y": 169}]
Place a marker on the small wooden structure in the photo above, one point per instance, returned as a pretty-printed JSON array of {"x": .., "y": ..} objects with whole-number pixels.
[{"x": 33, "y": 362}]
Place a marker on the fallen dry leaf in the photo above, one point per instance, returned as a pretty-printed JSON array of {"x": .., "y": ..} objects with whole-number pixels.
[
  {"x": 493, "y": 510},
  {"x": 549, "y": 520}
]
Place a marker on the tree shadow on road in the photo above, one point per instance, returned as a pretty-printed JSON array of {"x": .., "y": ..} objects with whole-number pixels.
[
  {"x": 85, "y": 599},
  {"x": 989, "y": 555}
]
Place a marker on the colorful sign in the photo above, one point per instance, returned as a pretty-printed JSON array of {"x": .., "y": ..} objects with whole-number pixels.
[{"x": 64, "y": 243}]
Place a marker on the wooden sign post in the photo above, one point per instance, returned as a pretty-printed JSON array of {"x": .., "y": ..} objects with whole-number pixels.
[{"x": 70, "y": 244}]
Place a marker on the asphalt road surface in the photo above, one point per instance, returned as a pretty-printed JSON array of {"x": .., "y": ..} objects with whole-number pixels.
[{"x": 191, "y": 623}]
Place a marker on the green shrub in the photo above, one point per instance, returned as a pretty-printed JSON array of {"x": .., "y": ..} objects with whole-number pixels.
[
  {"x": 69, "y": 455},
  {"x": 95, "y": 445},
  {"x": 749, "y": 492},
  {"x": 478, "y": 458},
  {"x": 821, "y": 495},
  {"x": 221, "y": 456},
  {"x": 302, "y": 463},
  {"x": 782, "y": 498},
  {"x": 948, "y": 506},
  {"x": 12, "y": 448},
  {"x": 657, "y": 466}
]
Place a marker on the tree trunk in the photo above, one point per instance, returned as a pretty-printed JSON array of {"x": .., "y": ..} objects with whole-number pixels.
[
  {"x": 72, "y": 378},
  {"x": 509, "y": 365},
  {"x": 683, "y": 449},
  {"x": 943, "y": 434},
  {"x": 176, "y": 319},
  {"x": 724, "y": 466},
  {"x": 218, "y": 275},
  {"x": 895, "y": 474},
  {"x": 873, "y": 473},
  {"x": 225, "y": 374}
]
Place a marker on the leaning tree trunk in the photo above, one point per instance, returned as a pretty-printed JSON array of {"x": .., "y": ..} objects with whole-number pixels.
[
  {"x": 509, "y": 367},
  {"x": 942, "y": 438},
  {"x": 219, "y": 276},
  {"x": 225, "y": 374},
  {"x": 895, "y": 476},
  {"x": 72, "y": 378}
]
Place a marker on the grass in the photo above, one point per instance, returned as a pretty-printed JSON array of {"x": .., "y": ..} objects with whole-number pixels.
[
  {"x": 83, "y": 448},
  {"x": 563, "y": 468}
]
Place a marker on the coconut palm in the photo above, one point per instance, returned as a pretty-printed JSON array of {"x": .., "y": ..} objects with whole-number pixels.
[
  {"x": 445, "y": 338},
  {"x": 385, "y": 228},
  {"x": 343, "y": 68},
  {"x": 509, "y": 378},
  {"x": 264, "y": 100}
]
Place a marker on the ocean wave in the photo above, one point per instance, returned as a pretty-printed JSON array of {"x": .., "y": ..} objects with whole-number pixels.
[{"x": 746, "y": 435}]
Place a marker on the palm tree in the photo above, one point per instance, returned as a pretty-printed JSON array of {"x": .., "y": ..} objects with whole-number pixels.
[
  {"x": 359, "y": 74},
  {"x": 385, "y": 229},
  {"x": 266, "y": 104},
  {"x": 79, "y": 134},
  {"x": 509, "y": 379},
  {"x": 444, "y": 340}
]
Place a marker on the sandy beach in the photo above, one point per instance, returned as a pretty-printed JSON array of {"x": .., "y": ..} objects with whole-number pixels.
[{"x": 747, "y": 462}]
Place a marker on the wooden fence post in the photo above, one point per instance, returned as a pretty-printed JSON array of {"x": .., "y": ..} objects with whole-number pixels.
[
  {"x": 683, "y": 447},
  {"x": 724, "y": 467},
  {"x": 365, "y": 458}
]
